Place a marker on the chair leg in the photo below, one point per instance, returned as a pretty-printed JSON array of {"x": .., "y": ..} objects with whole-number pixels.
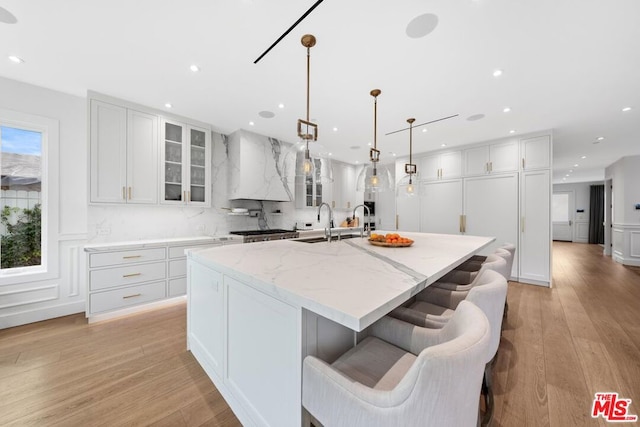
[{"x": 487, "y": 392}]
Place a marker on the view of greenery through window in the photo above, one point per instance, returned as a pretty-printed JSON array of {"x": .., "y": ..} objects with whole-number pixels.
[{"x": 20, "y": 201}]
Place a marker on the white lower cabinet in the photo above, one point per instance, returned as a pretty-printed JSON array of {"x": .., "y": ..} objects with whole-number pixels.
[
  {"x": 124, "y": 275},
  {"x": 441, "y": 207},
  {"x": 491, "y": 209}
]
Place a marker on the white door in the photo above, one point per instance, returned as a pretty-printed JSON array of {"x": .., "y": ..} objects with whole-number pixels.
[
  {"x": 562, "y": 210},
  {"x": 441, "y": 207},
  {"x": 535, "y": 239},
  {"x": 491, "y": 209}
]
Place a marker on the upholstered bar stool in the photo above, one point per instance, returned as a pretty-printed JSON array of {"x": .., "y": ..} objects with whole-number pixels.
[
  {"x": 403, "y": 375},
  {"x": 489, "y": 294}
]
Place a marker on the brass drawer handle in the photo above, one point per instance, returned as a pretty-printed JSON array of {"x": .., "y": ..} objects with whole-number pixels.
[
  {"x": 131, "y": 256},
  {"x": 131, "y": 275},
  {"x": 131, "y": 296}
]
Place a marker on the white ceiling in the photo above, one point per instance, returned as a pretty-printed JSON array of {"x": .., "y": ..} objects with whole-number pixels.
[{"x": 568, "y": 65}]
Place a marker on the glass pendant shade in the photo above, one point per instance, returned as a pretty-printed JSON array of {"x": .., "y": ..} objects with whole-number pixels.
[
  {"x": 307, "y": 161},
  {"x": 407, "y": 186},
  {"x": 374, "y": 178}
]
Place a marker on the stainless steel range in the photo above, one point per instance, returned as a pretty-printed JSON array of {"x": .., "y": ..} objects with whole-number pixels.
[{"x": 265, "y": 235}]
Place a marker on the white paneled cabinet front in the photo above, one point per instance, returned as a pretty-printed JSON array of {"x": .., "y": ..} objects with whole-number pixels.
[
  {"x": 536, "y": 152},
  {"x": 123, "y": 152},
  {"x": 491, "y": 209},
  {"x": 441, "y": 207},
  {"x": 408, "y": 213},
  {"x": 186, "y": 165},
  {"x": 441, "y": 166},
  {"x": 344, "y": 186},
  {"x": 494, "y": 158},
  {"x": 535, "y": 227}
]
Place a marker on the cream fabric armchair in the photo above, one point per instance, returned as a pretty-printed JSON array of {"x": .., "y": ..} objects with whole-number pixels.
[{"x": 403, "y": 375}]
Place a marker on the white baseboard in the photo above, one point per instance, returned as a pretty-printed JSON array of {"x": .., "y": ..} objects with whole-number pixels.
[
  {"x": 40, "y": 314},
  {"x": 137, "y": 309},
  {"x": 534, "y": 282},
  {"x": 635, "y": 262}
]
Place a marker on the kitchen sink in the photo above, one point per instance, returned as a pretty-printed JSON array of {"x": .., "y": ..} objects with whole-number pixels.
[{"x": 324, "y": 239}]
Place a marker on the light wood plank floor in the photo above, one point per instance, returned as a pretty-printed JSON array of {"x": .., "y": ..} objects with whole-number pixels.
[{"x": 559, "y": 347}]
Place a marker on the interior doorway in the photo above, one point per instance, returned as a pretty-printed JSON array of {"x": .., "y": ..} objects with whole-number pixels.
[{"x": 562, "y": 208}]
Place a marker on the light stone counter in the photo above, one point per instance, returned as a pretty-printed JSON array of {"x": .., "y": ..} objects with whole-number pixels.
[{"x": 351, "y": 281}]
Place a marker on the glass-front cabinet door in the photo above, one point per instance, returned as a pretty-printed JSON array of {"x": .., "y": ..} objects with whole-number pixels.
[{"x": 186, "y": 169}]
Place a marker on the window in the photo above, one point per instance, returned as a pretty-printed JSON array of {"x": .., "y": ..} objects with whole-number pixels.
[
  {"x": 20, "y": 198},
  {"x": 28, "y": 198}
]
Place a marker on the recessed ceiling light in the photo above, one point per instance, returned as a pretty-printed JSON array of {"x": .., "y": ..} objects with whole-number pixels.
[
  {"x": 16, "y": 59},
  {"x": 497, "y": 72},
  {"x": 369, "y": 144},
  {"x": 194, "y": 68},
  {"x": 331, "y": 154},
  {"x": 335, "y": 129},
  {"x": 424, "y": 130},
  {"x": 168, "y": 105},
  {"x": 570, "y": 170},
  {"x": 512, "y": 131},
  {"x": 393, "y": 154},
  {"x": 281, "y": 105},
  {"x": 600, "y": 138},
  {"x": 357, "y": 161},
  {"x": 576, "y": 165},
  {"x": 506, "y": 109},
  {"x": 443, "y": 145},
  {"x": 625, "y": 109},
  {"x": 583, "y": 157},
  {"x": 564, "y": 179},
  {"x": 251, "y": 123},
  {"x": 567, "y": 175}
]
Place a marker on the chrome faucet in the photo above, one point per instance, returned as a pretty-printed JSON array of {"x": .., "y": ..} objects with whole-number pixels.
[
  {"x": 327, "y": 233},
  {"x": 368, "y": 213}
]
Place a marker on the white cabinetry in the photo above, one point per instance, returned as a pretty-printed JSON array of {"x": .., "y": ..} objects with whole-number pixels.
[
  {"x": 343, "y": 194},
  {"x": 535, "y": 227},
  {"x": 441, "y": 166},
  {"x": 124, "y": 154},
  {"x": 494, "y": 158},
  {"x": 186, "y": 167},
  {"x": 536, "y": 152},
  {"x": 441, "y": 207},
  {"x": 491, "y": 209},
  {"x": 125, "y": 275}
]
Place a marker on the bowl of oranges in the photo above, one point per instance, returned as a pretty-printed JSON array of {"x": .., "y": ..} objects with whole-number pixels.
[{"x": 390, "y": 240}]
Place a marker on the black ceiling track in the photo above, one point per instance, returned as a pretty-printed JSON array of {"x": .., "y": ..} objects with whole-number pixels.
[
  {"x": 422, "y": 124},
  {"x": 316, "y": 4}
]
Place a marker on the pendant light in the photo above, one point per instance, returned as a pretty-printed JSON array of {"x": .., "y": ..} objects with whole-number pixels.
[
  {"x": 374, "y": 177},
  {"x": 307, "y": 161},
  {"x": 407, "y": 185}
]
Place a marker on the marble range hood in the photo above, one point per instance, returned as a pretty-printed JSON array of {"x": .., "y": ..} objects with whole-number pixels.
[{"x": 256, "y": 167}]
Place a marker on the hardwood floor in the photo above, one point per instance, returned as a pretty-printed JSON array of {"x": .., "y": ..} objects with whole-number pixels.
[{"x": 560, "y": 346}]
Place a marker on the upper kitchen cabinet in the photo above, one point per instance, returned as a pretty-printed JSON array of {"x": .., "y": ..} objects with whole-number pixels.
[
  {"x": 186, "y": 166},
  {"x": 441, "y": 166},
  {"x": 343, "y": 195},
  {"x": 536, "y": 152},
  {"x": 310, "y": 192},
  {"x": 255, "y": 171},
  {"x": 123, "y": 154},
  {"x": 494, "y": 158}
]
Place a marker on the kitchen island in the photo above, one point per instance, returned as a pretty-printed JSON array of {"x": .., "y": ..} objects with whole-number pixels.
[{"x": 256, "y": 310}]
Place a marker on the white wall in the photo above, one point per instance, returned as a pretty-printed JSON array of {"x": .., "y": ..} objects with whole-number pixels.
[
  {"x": 64, "y": 294},
  {"x": 625, "y": 235},
  {"x": 582, "y": 195}
]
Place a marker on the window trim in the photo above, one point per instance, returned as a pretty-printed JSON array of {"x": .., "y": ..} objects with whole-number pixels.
[{"x": 50, "y": 129}]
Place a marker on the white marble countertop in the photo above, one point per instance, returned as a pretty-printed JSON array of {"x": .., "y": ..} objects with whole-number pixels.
[
  {"x": 351, "y": 281},
  {"x": 149, "y": 243}
]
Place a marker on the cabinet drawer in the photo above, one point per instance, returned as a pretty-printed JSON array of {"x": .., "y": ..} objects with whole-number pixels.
[
  {"x": 178, "y": 267},
  {"x": 126, "y": 297},
  {"x": 178, "y": 287},
  {"x": 126, "y": 257},
  {"x": 126, "y": 275},
  {"x": 178, "y": 251}
]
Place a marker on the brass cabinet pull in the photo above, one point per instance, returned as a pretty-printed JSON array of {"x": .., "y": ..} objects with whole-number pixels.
[
  {"x": 523, "y": 163},
  {"x": 333, "y": 204},
  {"x": 131, "y": 275},
  {"x": 131, "y": 256},
  {"x": 461, "y": 225},
  {"x": 131, "y": 296},
  {"x": 490, "y": 166},
  {"x": 189, "y": 196},
  {"x": 522, "y": 224},
  {"x": 184, "y": 196},
  {"x": 464, "y": 223},
  {"x": 397, "y": 220},
  {"x": 124, "y": 193},
  {"x": 129, "y": 193}
]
